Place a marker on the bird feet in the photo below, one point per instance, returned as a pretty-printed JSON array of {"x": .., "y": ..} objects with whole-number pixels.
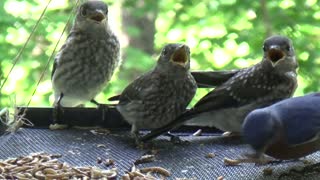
[
  {"x": 57, "y": 116},
  {"x": 139, "y": 144},
  {"x": 175, "y": 139}
]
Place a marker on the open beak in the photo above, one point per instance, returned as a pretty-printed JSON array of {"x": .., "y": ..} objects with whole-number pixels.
[
  {"x": 275, "y": 54},
  {"x": 98, "y": 16},
  {"x": 180, "y": 56}
]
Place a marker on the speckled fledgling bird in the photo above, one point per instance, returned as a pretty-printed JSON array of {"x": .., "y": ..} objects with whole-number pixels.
[
  {"x": 265, "y": 83},
  {"x": 160, "y": 95},
  {"x": 87, "y": 60},
  {"x": 288, "y": 129}
]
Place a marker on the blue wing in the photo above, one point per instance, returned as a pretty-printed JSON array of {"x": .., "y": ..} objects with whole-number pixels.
[{"x": 301, "y": 117}]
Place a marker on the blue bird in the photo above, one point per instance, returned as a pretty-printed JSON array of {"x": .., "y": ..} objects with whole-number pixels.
[{"x": 286, "y": 130}]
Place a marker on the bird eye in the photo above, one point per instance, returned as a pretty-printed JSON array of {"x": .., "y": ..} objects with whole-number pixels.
[
  {"x": 83, "y": 11},
  {"x": 165, "y": 51},
  {"x": 264, "y": 48},
  {"x": 288, "y": 48}
]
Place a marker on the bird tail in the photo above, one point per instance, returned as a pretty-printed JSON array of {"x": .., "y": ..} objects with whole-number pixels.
[
  {"x": 171, "y": 126},
  {"x": 209, "y": 79}
]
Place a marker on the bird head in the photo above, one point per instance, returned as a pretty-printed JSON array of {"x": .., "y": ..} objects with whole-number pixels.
[
  {"x": 259, "y": 129},
  {"x": 279, "y": 51},
  {"x": 176, "y": 55},
  {"x": 92, "y": 14}
]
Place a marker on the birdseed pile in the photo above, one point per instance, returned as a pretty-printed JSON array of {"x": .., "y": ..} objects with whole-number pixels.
[{"x": 47, "y": 166}]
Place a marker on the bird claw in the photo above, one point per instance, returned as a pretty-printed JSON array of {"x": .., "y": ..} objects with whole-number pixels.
[
  {"x": 57, "y": 115},
  {"x": 140, "y": 144},
  {"x": 177, "y": 140}
]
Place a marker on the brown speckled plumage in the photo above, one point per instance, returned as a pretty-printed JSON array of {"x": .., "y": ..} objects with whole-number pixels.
[
  {"x": 160, "y": 95},
  {"x": 87, "y": 60}
]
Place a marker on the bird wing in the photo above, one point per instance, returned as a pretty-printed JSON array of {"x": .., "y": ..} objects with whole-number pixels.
[
  {"x": 235, "y": 92},
  {"x": 241, "y": 89},
  {"x": 294, "y": 112},
  {"x": 54, "y": 67},
  {"x": 140, "y": 87},
  {"x": 207, "y": 79},
  {"x": 55, "y": 62},
  {"x": 221, "y": 97},
  {"x": 62, "y": 49}
]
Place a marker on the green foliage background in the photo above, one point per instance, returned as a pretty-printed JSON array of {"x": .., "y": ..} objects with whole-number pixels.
[{"x": 222, "y": 34}]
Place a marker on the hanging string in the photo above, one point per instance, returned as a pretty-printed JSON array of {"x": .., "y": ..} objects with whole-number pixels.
[
  {"x": 52, "y": 54},
  {"x": 17, "y": 58}
]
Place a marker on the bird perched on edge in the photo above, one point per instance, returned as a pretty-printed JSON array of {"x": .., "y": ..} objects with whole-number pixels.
[
  {"x": 87, "y": 60},
  {"x": 160, "y": 95},
  {"x": 240, "y": 92},
  {"x": 288, "y": 129}
]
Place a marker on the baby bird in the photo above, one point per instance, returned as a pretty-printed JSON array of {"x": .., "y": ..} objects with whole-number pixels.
[
  {"x": 87, "y": 60},
  {"x": 239, "y": 92},
  {"x": 159, "y": 96}
]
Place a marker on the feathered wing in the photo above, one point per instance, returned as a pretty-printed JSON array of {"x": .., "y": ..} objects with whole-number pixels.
[
  {"x": 55, "y": 61},
  {"x": 236, "y": 92},
  {"x": 140, "y": 87},
  {"x": 207, "y": 79},
  {"x": 233, "y": 93},
  {"x": 298, "y": 112}
]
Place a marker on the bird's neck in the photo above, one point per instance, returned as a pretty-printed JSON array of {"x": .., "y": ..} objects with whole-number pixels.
[
  {"x": 94, "y": 32},
  {"x": 170, "y": 70}
]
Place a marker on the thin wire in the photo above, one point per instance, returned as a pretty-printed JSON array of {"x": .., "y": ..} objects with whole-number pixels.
[
  {"x": 52, "y": 54},
  {"x": 17, "y": 58}
]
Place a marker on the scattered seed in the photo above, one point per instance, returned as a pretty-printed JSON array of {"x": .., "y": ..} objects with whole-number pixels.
[
  {"x": 220, "y": 178},
  {"x": 159, "y": 170},
  {"x": 145, "y": 159},
  {"x": 57, "y": 126},
  {"x": 231, "y": 162},
  {"x": 125, "y": 177},
  {"x": 210, "y": 155},
  {"x": 101, "y": 146},
  {"x": 100, "y": 131},
  {"x": 198, "y": 132},
  {"x": 136, "y": 174}
]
